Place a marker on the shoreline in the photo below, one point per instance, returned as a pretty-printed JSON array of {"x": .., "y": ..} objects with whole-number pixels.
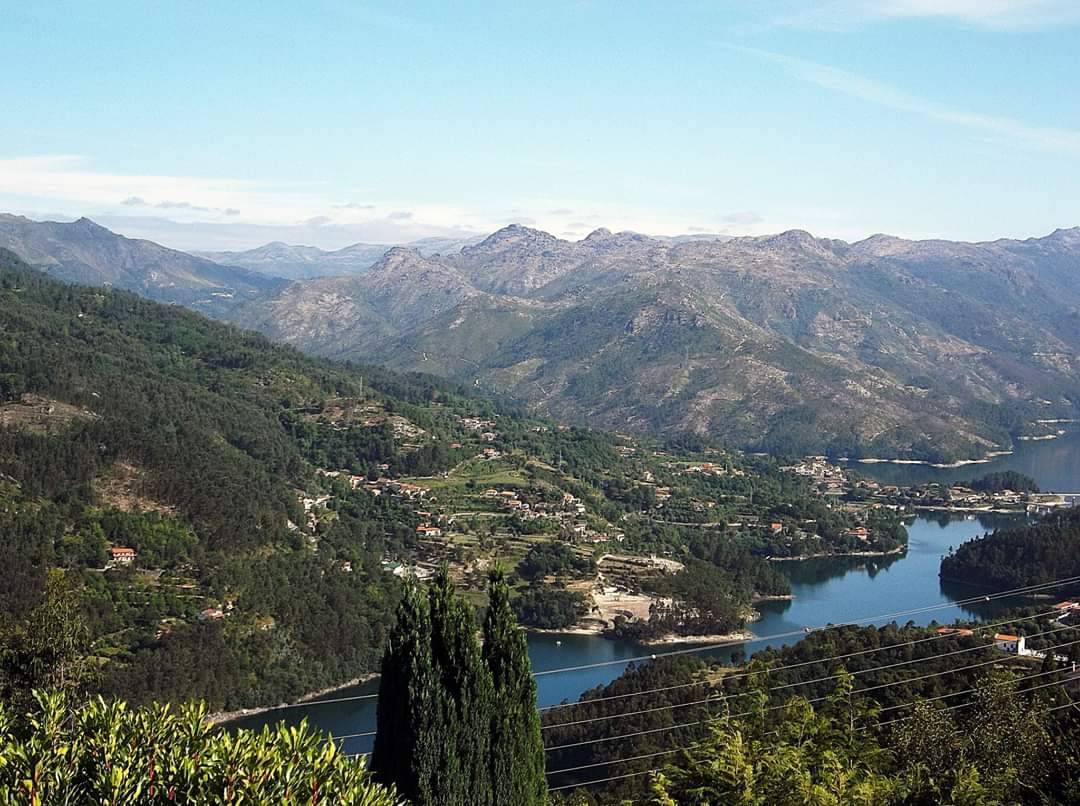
[
  {"x": 889, "y": 553},
  {"x": 225, "y": 717},
  {"x": 739, "y": 637},
  {"x": 969, "y": 510},
  {"x": 575, "y": 630},
  {"x": 988, "y": 457}
]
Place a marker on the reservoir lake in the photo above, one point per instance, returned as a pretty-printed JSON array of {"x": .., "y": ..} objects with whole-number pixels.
[{"x": 829, "y": 590}]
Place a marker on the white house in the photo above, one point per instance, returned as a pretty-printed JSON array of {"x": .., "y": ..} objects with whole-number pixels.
[{"x": 1012, "y": 644}]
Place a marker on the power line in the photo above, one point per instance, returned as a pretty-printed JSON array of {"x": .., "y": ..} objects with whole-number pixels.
[
  {"x": 630, "y": 758},
  {"x": 722, "y": 698},
  {"x": 712, "y": 700},
  {"x": 794, "y": 633},
  {"x": 776, "y": 707},
  {"x": 628, "y": 735},
  {"x": 814, "y": 662},
  {"x": 968, "y": 691},
  {"x": 353, "y": 736},
  {"x": 685, "y": 748},
  {"x": 602, "y": 780},
  {"x": 755, "y": 640}
]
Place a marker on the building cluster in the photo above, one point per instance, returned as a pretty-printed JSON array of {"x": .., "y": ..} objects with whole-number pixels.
[
  {"x": 385, "y": 486},
  {"x": 1017, "y": 644},
  {"x": 711, "y": 469},
  {"x": 830, "y": 479},
  {"x": 957, "y": 497},
  {"x": 477, "y": 423},
  {"x": 569, "y": 512},
  {"x": 403, "y": 571},
  {"x": 121, "y": 556},
  {"x": 314, "y": 508}
]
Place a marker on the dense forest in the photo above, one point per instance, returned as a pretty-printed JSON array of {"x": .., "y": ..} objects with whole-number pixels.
[
  {"x": 1004, "y": 480},
  {"x": 128, "y": 423},
  {"x": 1023, "y": 555},
  {"x": 907, "y": 714},
  {"x": 230, "y": 468}
]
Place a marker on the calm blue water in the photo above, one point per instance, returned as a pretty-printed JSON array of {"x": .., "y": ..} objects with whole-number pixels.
[
  {"x": 1054, "y": 464},
  {"x": 827, "y": 591}
]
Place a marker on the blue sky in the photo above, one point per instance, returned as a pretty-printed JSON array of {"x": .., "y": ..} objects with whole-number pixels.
[{"x": 225, "y": 125}]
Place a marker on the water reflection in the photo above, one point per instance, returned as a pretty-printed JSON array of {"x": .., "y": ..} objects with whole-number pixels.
[
  {"x": 833, "y": 590},
  {"x": 820, "y": 570},
  {"x": 1054, "y": 464}
]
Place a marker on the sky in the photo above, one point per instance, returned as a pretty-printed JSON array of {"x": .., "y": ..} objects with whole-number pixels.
[{"x": 227, "y": 125}]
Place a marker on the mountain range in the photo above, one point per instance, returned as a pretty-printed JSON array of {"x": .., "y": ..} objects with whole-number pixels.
[
  {"x": 84, "y": 252},
  {"x": 917, "y": 349},
  {"x": 934, "y": 350},
  {"x": 304, "y": 262}
]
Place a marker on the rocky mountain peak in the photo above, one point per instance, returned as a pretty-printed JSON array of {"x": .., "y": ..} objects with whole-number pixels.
[
  {"x": 881, "y": 245},
  {"x": 87, "y": 225},
  {"x": 791, "y": 237},
  {"x": 512, "y": 236},
  {"x": 397, "y": 256},
  {"x": 1069, "y": 236}
]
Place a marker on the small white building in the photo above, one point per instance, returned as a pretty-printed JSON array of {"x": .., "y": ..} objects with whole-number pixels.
[
  {"x": 1013, "y": 644},
  {"x": 122, "y": 555}
]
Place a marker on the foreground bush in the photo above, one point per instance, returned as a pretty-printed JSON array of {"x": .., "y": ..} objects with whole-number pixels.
[{"x": 107, "y": 753}]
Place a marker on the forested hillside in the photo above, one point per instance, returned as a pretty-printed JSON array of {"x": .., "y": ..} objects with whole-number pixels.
[
  {"x": 125, "y": 423},
  {"x": 234, "y": 518},
  {"x": 1025, "y": 555},
  {"x": 896, "y": 714}
]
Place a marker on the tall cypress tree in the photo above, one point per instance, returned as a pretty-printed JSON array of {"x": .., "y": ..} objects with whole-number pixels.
[
  {"x": 433, "y": 733},
  {"x": 406, "y": 737},
  {"x": 517, "y": 757},
  {"x": 463, "y": 709}
]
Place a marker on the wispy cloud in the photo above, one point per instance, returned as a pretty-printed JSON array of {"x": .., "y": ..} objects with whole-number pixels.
[
  {"x": 205, "y": 213},
  {"x": 1046, "y": 138},
  {"x": 1002, "y": 15},
  {"x": 742, "y": 218},
  {"x": 68, "y": 183}
]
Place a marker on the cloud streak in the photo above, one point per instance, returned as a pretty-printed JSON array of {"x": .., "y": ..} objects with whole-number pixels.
[
  {"x": 197, "y": 213},
  {"x": 1000, "y": 15},
  {"x": 1044, "y": 138}
]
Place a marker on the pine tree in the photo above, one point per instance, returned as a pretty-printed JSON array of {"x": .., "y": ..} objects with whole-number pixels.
[{"x": 517, "y": 758}]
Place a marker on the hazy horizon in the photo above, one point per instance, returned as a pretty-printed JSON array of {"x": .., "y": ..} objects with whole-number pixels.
[{"x": 228, "y": 127}]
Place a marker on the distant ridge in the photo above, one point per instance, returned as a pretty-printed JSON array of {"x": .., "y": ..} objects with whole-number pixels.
[
  {"x": 885, "y": 347},
  {"x": 790, "y": 343},
  {"x": 84, "y": 252},
  {"x": 307, "y": 262}
]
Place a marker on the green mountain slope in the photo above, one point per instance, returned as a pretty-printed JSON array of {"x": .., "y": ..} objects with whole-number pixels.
[
  {"x": 127, "y": 423},
  {"x": 272, "y": 501},
  {"x": 918, "y": 349}
]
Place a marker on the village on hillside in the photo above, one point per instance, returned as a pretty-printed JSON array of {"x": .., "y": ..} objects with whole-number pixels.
[{"x": 857, "y": 493}]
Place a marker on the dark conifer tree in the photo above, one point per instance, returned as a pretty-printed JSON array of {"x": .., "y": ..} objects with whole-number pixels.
[
  {"x": 463, "y": 699},
  {"x": 517, "y": 757},
  {"x": 433, "y": 738},
  {"x": 405, "y": 752}
]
